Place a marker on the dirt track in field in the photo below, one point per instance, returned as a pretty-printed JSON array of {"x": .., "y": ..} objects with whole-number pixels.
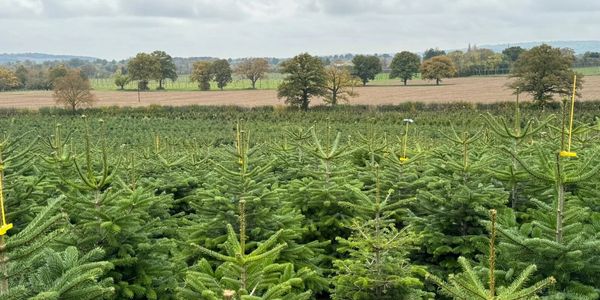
[{"x": 474, "y": 89}]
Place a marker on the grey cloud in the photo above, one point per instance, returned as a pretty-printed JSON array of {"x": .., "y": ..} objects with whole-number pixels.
[{"x": 234, "y": 28}]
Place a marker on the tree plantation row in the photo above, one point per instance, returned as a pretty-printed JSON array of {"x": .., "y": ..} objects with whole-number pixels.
[{"x": 455, "y": 201}]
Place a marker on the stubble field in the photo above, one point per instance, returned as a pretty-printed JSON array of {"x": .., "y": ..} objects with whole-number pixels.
[{"x": 471, "y": 89}]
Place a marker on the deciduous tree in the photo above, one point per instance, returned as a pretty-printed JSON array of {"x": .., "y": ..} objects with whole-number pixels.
[
  {"x": 544, "y": 71},
  {"x": 405, "y": 65},
  {"x": 202, "y": 73},
  {"x": 430, "y": 53},
  {"x": 512, "y": 53},
  {"x": 166, "y": 68},
  {"x": 73, "y": 91},
  {"x": 306, "y": 79},
  {"x": 437, "y": 68},
  {"x": 221, "y": 71},
  {"x": 8, "y": 80},
  {"x": 143, "y": 67},
  {"x": 56, "y": 72},
  {"x": 366, "y": 67},
  {"x": 253, "y": 69},
  {"x": 121, "y": 80},
  {"x": 340, "y": 85}
]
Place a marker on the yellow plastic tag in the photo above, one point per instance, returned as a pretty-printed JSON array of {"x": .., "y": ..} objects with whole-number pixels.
[
  {"x": 5, "y": 228},
  {"x": 567, "y": 154}
]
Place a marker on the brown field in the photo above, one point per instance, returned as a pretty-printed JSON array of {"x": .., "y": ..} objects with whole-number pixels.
[{"x": 473, "y": 89}]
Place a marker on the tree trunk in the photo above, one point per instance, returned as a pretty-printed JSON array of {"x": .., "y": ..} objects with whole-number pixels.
[
  {"x": 560, "y": 203},
  {"x": 160, "y": 87},
  {"x": 73, "y": 107},
  {"x": 437, "y": 81},
  {"x": 304, "y": 101},
  {"x": 254, "y": 84},
  {"x": 405, "y": 80}
]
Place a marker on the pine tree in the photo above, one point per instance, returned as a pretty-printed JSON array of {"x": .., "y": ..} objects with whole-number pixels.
[{"x": 468, "y": 285}]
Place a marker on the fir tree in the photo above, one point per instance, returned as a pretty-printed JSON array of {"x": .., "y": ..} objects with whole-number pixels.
[
  {"x": 29, "y": 267},
  {"x": 455, "y": 198},
  {"x": 560, "y": 236},
  {"x": 468, "y": 285},
  {"x": 245, "y": 176},
  {"x": 241, "y": 275},
  {"x": 131, "y": 225},
  {"x": 514, "y": 136},
  {"x": 376, "y": 264}
]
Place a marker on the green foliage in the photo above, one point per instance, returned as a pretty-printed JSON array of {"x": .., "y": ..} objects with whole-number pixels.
[
  {"x": 121, "y": 80},
  {"x": 250, "y": 276},
  {"x": 166, "y": 68},
  {"x": 405, "y": 65},
  {"x": 340, "y": 85},
  {"x": 513, "y": 53},
  {"x": 468, "y": 285},
  {"x": 143, "y": 68},
  {"x": 431, "y": 53},
  {"x": 202, "y": 73},
  {"x": 221, "y": 72},
  {"x": 366, "y": 67},
  {"x": 164, "y": 202},
  {"x": 543, "y": 72},
  {"x": 376, "y": 264},
  {"x": 305, "y": 79},
  {"x": 244, "y": 176},
  {"x": 253, "y": 69},
  {"x": 456, "y": 196}
]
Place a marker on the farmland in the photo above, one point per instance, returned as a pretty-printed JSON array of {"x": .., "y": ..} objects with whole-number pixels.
[
  {"x": 469, "y": 89},
  {"x": 309, "y": 187},
  {"x": 270, "y": 82}
]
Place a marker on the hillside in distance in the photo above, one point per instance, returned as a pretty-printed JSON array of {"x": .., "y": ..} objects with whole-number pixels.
[
  {"x": 579, "y": 47},
  {"x": 39, "y": 57}
]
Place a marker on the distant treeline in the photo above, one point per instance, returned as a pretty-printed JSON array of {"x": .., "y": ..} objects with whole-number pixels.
[{"x": 31, "y": 75}]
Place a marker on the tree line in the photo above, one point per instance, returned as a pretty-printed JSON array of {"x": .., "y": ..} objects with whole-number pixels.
[{"x": 542, "y": 71}]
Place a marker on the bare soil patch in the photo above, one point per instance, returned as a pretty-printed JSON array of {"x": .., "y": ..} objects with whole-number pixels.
[{"x": 472, "y": 89}]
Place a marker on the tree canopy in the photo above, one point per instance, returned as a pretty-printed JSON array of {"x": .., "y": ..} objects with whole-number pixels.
[
  {"x": 8, "y": 80},
  {"x": 512, "y": 53},
  {"x": 305, "y": 79},
  {"x": 430, "y": 53},
  {"x": 544, "y": 71},
  {"x": 202, "y": 73},
  {"x": 366, "y": 67},
  {"x": 405, "y": 65},
  {"x": 143, "y": 68},
  {"x": 340, "y": 85},
  {"x": 166, "y": 68},
  {"x": 221, "y": 71},
  {"x": 253, "y": 69},
  {"x": 73, "y": 90},
  {"x": 437, "y": 68}
]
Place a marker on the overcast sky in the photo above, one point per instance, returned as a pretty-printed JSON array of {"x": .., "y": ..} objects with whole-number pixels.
[{"x": 282, "y": 28}]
